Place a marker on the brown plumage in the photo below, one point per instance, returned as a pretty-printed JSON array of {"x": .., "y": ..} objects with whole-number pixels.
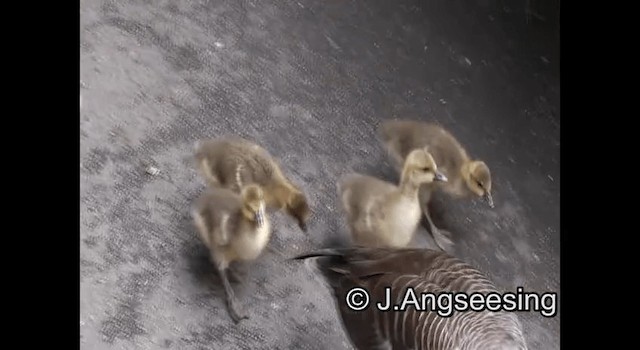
[
  {"x": 467, "y": 177},
  {"x": 235, "y": 227},
  {"x": 382, "y": 214},
  {"x": 425, "y": 271},
  {"x": 233, "y": 162}
]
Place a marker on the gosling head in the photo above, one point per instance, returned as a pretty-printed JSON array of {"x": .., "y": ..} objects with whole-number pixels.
[
  {"x": 420, "y": 167},
  {"x": 478, "y": 180},
  {"x": 253, "y": 204},
  {"x": 298, "y": 207}
]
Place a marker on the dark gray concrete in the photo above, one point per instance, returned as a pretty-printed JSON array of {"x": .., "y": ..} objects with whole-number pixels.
[{"x": 309, "y": 80}]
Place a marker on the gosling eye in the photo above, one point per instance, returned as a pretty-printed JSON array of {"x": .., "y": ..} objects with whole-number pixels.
[
  {"x": 480, "y": 184},
  {"x": 426, "y": 169}
]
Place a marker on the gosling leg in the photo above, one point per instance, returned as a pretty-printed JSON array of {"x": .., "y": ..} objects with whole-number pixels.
[
  {"x": 441, "y": 237},
  {"x": 231, "y": 300}
]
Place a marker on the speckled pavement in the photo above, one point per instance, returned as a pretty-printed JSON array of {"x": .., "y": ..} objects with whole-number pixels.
[{"x": 309, "y": 80}]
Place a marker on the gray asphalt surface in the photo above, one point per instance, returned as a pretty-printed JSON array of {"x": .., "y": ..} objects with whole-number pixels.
[{"x": 309, "y": 80}]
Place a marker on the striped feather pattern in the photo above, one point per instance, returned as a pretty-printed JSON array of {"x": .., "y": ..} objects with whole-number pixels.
[{"x": 424, "y": 271}]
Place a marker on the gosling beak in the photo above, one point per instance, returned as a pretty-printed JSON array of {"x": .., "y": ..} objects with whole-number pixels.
[
  {"x": 440, "y": 177},
  {"x": 303, "y": 226},
  {"x": 489, "y": 199},
  {"x": 260, "y": 216}
]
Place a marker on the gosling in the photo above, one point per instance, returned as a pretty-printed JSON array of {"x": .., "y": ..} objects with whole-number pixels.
[
  {"x": 234, "y": 227},
  {"x": 233, "y": 162},
  {"x": 381, "y": 214},
  {"x": 468, "y": 178}
]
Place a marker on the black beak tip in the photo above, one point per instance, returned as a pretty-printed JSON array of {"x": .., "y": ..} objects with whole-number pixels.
[{"x": 441, "y": 177}]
